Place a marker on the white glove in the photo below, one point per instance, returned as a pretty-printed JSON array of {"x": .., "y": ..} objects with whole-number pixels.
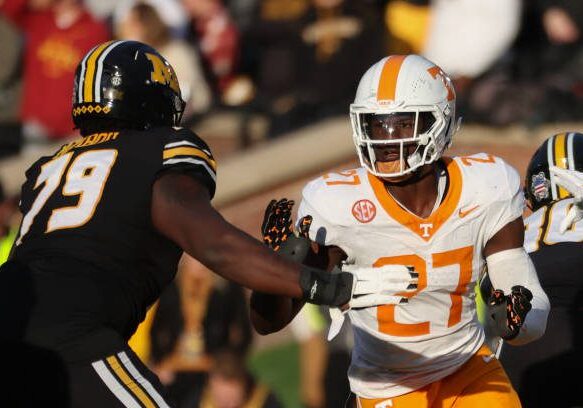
[
  {"x": 384, "y": 285},
  {"x": 572, "y": 181}
]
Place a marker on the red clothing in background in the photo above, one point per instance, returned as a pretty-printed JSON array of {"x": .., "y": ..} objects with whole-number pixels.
[
  {"x": 219, "y": 45},
  {"x": 51, "y": 54}
]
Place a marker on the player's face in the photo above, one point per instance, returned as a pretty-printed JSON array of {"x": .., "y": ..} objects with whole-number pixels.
[{"x": 394, "y": 126}]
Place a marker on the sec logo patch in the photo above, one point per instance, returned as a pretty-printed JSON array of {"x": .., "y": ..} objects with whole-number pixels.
[{"x": 364, "y": 211}]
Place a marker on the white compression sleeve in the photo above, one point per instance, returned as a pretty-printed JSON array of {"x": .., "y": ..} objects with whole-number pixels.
[{"x": 514, "y": 267}]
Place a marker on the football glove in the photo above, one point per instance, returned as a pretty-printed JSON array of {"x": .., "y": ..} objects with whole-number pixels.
[
  {"x": 385, "y": 285},
  {"x": 279, "y": 234},
  {"x": 277, "y": 223},
  {"x": 508, "y": 312},
  {"x": 572, "y": 181}
]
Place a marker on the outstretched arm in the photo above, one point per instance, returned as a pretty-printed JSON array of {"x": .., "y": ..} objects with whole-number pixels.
[{"x": 181, "y": 211}]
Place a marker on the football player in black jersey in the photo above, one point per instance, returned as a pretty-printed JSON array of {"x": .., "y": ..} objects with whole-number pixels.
[
  {"x": 105, "y": 220},
  {"x": 546, "y": 373}
]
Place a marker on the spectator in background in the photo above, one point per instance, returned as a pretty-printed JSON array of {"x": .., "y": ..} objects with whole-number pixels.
[
  {"x": 462, "y": 40},
  {"x": 217, "y": 38},
  {"x": 321, "y": 48},
  {"x": 270, "y": 52},
  {"x": 10, "y": 89},
  {"x": 549, "y": 61},
  {"x": 242, "y": 12},
  {"x": 142, "y": 22},
  {"x": 340, "y": 39},
  {"x": 9, "y": 221},
  {"x": 231, "y": 385},
  {"x": 57, "y": 35},
  {"x": 194, "y": 318},
  {"x": 540, "y": 78},
  {"x": 407, "y": 23},
  {"x": 171, "y": 12},
  {"x": 461, "y": 37}
]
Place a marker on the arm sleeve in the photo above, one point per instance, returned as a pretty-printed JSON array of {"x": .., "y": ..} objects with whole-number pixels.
[
  {"x": 514, "y": 267},
  {"x": 185, "y": 152}
]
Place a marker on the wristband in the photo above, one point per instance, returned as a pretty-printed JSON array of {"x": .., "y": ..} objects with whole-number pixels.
[{"x": 323, "y": 288}]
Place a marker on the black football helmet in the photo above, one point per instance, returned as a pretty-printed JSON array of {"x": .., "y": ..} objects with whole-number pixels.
[
  {"x": 563, "y": 150},
  {"x": 128, "y": 83}
]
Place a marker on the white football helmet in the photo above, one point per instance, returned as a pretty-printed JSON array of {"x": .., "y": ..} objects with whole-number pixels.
[{"x": 401, "y": 86}]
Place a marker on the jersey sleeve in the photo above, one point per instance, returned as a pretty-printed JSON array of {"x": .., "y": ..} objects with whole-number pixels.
[
  {"x": 187, "y": 153},
  {"x": 508, "y": 203},
  {"x": 321, "y": 231}
]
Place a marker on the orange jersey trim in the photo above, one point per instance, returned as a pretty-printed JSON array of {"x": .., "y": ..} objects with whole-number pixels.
[{"x": 424, "y": 227}]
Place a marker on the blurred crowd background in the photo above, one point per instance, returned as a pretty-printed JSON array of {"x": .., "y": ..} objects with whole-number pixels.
[
  {"x": 295, "y": 62},
  {"x": 292, "y": 63}
]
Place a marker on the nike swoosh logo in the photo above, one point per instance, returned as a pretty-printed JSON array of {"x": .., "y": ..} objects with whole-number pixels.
[
  {"x": 384, "y": 404},
  {"x": 489, "y": 358},
  {"x": 468, "y": 211}
]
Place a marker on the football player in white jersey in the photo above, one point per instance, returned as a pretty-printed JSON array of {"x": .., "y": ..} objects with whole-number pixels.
[
  {"x": 542, "y": 371},
  {"x": 448, "y": 219}
]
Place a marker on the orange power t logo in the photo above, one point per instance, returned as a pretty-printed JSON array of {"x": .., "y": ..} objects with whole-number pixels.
[{"x": 435, "y": 72}]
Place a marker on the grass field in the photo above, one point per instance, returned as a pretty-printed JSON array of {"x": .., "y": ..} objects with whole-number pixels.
[{"x": 278, "y": 367}]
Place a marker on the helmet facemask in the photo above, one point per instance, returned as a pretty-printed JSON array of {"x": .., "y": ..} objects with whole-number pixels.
[{"x": 393, "y": 143}]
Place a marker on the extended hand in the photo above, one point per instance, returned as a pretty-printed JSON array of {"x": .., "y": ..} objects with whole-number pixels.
[
  {"x": 277, "y": 223},
  {"x": 508, "y": 312},
  {"x": 385, "y": 285},
  {"x": 279, "y": 233},
  {"x": 572, "y": 181}
]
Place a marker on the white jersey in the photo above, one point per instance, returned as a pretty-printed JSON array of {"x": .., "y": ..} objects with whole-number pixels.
[{"x": 400, "y": 348}]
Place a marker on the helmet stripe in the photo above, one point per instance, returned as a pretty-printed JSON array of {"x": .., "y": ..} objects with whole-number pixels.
[
  {"x": 82, "y": 75},
  {"x": 561, "y": 159},
  {"x": 100, "y": 60},
  {"x": 388, "y": 80},
  {"x": 570, "y": 155},
  {"x": 551, "y": 161},
  {"x": 90, "y": 72}
]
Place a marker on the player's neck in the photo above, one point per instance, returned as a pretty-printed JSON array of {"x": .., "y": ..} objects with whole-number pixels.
[{"x": 421, "y": 195}]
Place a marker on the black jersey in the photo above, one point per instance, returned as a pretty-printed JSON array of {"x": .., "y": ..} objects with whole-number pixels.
[
  {"x": 539, "y": 369},
  {"x": 87, "y": 229}
]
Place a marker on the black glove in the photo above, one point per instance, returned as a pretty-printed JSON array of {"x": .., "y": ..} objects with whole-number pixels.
[
  {"x": 509, "y": 311},
  {"x": 325, "y": 288},
  {"x": 278, "y": 231},
  {"x": 277, "y": 223}
]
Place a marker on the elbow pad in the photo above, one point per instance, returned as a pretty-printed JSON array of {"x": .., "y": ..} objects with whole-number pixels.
[{"x": 511, "y": 268}]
